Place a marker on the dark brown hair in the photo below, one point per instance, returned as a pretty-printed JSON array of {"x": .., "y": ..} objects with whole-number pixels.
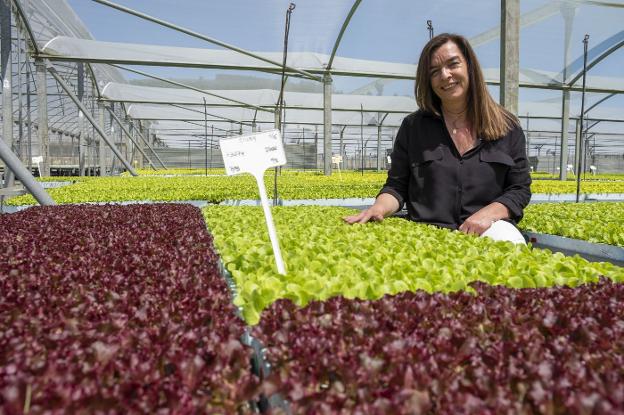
[{"x": 489, "y": 120}]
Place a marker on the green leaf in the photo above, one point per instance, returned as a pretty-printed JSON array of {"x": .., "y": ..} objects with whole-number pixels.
[
  {"x": 516, "y": 282},
  {"x": 326, "y": 257}
]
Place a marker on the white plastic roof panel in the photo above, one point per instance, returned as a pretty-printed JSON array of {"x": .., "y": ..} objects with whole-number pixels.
[
  {"x": 144, "y": 94},
  {"x": 167, "y": 112},
  {"x": 553, "y": 110},
  {"x": 393, "y": 121},
  {"x": 68, "y": 48},
  {"x": 382, "y": 42},
  {"x": 257, "y": 97},
  {"x": 51, "y": 18},
  {"x": 94, "y": 51}
]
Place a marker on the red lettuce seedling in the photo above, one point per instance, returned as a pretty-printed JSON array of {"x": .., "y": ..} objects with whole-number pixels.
[
  {"x": 116, "y": 308},
  {"x": 554, "y": 350}
]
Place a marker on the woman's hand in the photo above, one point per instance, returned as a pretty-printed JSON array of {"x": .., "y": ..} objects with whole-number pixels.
[
  {"x": 481, "y": 220},
  {"x": 373, "y": 213},
  {"x": 384, "y": 205}
]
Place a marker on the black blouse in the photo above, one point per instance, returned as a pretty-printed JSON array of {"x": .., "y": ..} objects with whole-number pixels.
[{"x": 443, "y": 188}]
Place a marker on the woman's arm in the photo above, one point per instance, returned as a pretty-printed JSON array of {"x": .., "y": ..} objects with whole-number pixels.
[
  {"x": 516, "y": 193},
  {"x": 517, "y": 189},
  {"x": 482, "y": 219},
  {"x": 393, "y": 194},
  {"x": 385, "y": 205}
]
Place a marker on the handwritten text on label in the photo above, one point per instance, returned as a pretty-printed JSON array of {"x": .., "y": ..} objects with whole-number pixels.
[{"x": 253, "y": 153}]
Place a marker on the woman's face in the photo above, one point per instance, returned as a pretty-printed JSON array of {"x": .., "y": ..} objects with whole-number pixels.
[{"x": 448, "y": 74}]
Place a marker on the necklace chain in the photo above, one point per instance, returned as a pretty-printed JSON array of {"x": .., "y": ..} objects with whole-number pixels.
[
  {"x": 457, "y": 113},
  {"x": 454, "y": 125}
]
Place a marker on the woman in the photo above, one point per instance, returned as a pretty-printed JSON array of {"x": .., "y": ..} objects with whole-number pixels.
[{"x": 458, "y": 162}]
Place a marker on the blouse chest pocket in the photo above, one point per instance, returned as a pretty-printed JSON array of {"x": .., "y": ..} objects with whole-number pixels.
[
  {"x": 425, "y": 157},
  {"x": 496, "y": 157},
  {"x": 494, "y": 166},
  {"x": 422, "y": 161}
]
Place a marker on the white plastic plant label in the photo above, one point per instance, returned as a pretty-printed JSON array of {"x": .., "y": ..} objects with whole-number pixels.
[{"x": 253, "y": 153}]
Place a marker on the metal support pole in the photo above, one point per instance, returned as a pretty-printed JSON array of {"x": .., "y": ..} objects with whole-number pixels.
[
  {"x": 577, "y": 140},
  {"x": 102, "y": 120},
  {"x": 378, "y": 146},
  {"x": 362, "y": 136},
  {"x": 124, "y": 143},
  {"x": 565, "y": 122},
  {"x": 129, "y": 135},
  {"x": 89, "y": 132},
  {"x": 29, "y": 121},
  {"x": 283, "y": 133},
  {"x": 115, "y": 140},
  {"x": 316, "y": 148},
  {"x": 581, "y": 167},
  {"x": 20, "y": 148},
  {"x": 92, "y": 143},
  {"x": 206, "y": 137},
  {"x": 22, "y": 173},
  {"x": 278, "y": 124},
  {"x": 146, "y": 141},
  {"x": 567, "y": 11},
  {"x": 327, "y": 124},
  {"x": 585, "y": 150},
  {"x": 211, "y": 143},
  {"x": 137, "y": 130},
  {"x": 189, "y": 155},
  {"x": 510, "y": 54},
  {"x": 82, "y": 139},
  {"x": 304, "y": 152},
  {"x": 341, "y": 143},
  {"x": 42, "y": 112},
  {"x": 379, "y": 126},
  {"x": 70, "y": 93},
  {"x": 6, "y": 69},
  {"x": 133, "y": 159},
  {"x": 555, "y": 158},
  {"x": 528, "y": 136}
]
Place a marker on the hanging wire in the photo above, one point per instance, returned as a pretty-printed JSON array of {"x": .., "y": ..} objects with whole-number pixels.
[
  {"x": 580, "y": 149},
  {"x": 362, "y": 136},
  {"x": 206, "y": 136},
  {"x": 280, "y": 99},
  {"x": 211, "y": 143}
]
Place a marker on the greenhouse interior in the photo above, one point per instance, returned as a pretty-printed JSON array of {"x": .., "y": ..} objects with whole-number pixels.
[{"x": 155, "y": 260}]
